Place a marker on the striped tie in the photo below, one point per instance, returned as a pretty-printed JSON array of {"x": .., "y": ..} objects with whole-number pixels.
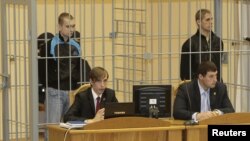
[{"x": 97, "y": 104}]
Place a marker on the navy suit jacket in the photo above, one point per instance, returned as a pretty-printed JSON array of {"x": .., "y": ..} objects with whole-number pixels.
[
  {"x": 84, "y": 107},
  {"x": 188, "y": 100}
]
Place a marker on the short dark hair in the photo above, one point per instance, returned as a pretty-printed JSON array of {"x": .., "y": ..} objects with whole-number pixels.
[
  {"x": 205, "y": 67},
  {"x": 97, "y": 73},
  {"x": 43, "y": 38},
  {"x": 200, "y": 14},
  {"x": 64, "y": 15}
]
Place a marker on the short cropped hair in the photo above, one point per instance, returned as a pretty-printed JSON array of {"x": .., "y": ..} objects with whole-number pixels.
[
  {"x": 205, "y": 67},
  {"x": 98, "y": 73},
  {"x": 200, "y": 14},
  {"x": 64, "y": 15}
]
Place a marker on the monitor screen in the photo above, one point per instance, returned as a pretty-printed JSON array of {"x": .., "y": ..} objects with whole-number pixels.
[{"x": 147, "y": 96}]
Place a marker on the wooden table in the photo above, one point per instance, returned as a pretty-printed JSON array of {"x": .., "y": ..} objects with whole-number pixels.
[
  {"x": 145, "y": 129},
  {"x": 120, "y": 129}
]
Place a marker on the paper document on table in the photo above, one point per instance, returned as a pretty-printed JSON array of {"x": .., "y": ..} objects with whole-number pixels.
[{"x": 73, "y": 124}]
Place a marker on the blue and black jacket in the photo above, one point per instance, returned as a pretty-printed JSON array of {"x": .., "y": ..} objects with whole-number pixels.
[{"x": 61, "y": 66}]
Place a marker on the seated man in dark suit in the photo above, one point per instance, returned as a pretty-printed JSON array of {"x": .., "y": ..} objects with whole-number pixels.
[
  {"x": 86, "y": 106},
  {"x": 203, "y": 97}
]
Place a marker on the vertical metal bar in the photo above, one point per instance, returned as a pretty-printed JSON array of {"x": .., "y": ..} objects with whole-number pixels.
[
  {"x": 217, "y": 16},
  {"x": 15, "y": 68},
  {"x": 5, "y": 108},
  {"x": 10, "y": 69},
  {"x": 70, "y": 65},
  {"x": 18, "y": 61},
  {"x": 33, "y": 69},
  {"x": 233, "y": 92},
  {"x": 82, "y": 48},
  {"x": 133, "y": 49},
  {"x": 129, "y": 28},
  {"x": 248, "y": 32},
  {"x": 151, "y": 40},
  {"x": 144, "y": 65},
  {"x": 26, "y": 84},
  {"x": 241, "y": 58},
  {"x": 93, "y": 31},
  {"x": 179, "y": 38},
  {"x": 113, "y": 44},
  {"x": 200, "y": 53},
  {"x": 125, "y": 39},
  {"x": 170, "y": 40},
  {"x": 84, "y": 29},
  {"x": 229, "y": 48},
  {"x": 56, "y": 14},
  {"x": 218, "y": 23},
  {"x": 247, "y": 53},
  {"x": 240, "y": 63},
  {"x": 159, "y": 41},
  {"x": 103, "y": 34},
  {"x": 64, "y": 6},
  {"x": 189, "y": 33},
  {"x": 74, "y": 8},
  {"x": 46, "y": 56}
]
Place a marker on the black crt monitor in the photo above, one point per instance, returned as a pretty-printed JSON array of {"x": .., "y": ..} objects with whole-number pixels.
[{"x": 144, "y": 96}]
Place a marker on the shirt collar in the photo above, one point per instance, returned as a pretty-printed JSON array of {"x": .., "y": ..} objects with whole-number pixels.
[
  {"x": 198, "y": 33},
  {"x": 94, "y": 94},
  {"x": 61, "y": 37},
  {"x": 202, "y": 89}
]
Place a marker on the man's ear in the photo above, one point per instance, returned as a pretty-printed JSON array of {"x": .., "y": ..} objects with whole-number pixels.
[
  {"x": 200, "y": 76},
  {"x": 198, "y": 22},
  {"x": 91, "y": 81}
]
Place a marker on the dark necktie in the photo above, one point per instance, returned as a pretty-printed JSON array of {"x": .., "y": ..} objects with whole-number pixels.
[{"x": 97, "y": 104}]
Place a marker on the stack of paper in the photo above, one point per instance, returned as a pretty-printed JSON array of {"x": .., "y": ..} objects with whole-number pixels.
[{"x": 73, "y": 124}]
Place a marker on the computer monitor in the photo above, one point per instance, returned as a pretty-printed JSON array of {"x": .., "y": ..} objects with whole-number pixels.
[{"x": 148, "y": 96}]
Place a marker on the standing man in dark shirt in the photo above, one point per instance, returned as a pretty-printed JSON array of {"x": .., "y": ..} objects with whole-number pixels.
[{"x": 202, "y": 46}]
